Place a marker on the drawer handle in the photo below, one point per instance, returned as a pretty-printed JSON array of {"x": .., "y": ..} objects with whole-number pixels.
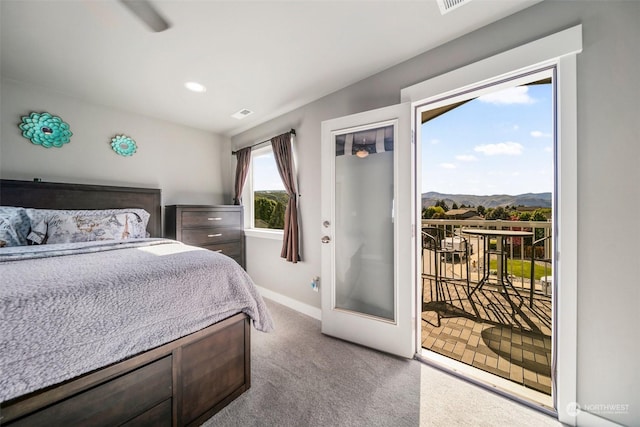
[
  {"x": 214, "y": 235},
  {"x": 214, "y": 219}
]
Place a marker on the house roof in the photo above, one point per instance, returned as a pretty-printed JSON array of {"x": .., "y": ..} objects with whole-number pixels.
[{"x": 459, "y": 212}]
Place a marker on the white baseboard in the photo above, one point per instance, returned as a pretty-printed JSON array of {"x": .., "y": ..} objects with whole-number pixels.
[{"x": 293, "y": 304}]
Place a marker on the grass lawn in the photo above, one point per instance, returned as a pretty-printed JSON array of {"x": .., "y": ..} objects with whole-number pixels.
[{"x": 523, "y": 268}]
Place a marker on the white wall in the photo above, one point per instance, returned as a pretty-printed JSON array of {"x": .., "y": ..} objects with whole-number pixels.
[
  {"x": 187, "y": 164},
  {"x": 608, "y": 174}
]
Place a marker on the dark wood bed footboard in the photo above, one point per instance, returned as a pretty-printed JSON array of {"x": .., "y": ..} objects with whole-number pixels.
[{"x": 181, "y": 383}]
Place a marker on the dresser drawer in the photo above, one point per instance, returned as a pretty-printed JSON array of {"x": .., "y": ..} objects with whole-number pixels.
[
  {"x": 230, "y": 249},
  {"x": 210, "y": 236},
  {"x": 214, "y": 227},
  {"x": 205, "y": 218}
]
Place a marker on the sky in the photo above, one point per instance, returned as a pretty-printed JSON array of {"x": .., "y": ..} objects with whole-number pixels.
[
  {"x": 499, "y": 143},
  {"x": 265, "y": 172}
]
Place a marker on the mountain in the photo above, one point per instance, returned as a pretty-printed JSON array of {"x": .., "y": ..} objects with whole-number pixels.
[{"x": 538, "y": 200}]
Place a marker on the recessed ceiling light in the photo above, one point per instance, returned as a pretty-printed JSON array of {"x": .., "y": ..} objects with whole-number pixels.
[
  {"x": 242, "y": 114},
  {"x": 195, "y": 87}
]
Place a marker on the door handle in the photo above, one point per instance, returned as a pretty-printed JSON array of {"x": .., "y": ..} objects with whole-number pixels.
[{"x": 326, "y": 239}]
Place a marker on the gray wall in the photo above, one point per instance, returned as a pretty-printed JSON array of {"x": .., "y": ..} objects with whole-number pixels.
[
  {"x": 187, "y": 164},
  {"x": 608, "y": 175}
]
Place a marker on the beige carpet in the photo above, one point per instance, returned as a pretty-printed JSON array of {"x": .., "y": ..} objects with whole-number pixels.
[{"x": 303, "y": 378}]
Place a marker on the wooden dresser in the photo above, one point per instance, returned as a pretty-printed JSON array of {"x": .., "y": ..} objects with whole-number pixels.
[{"x": 218, "y": 228}]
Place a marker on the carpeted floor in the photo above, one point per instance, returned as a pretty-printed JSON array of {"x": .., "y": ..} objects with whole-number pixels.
[{"x": 303, "y": 378}]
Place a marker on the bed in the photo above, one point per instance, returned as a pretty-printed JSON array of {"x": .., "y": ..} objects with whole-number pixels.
[{"x": 160, "y": 336}]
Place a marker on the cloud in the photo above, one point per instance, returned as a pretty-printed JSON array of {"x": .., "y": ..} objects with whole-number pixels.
[
  {"x": 466, "y": 158},
  {"x": 447, "y": 166},
  {"x": 512, "y": 95},
  {"x": 539, "y": 134},
  {"x": 502, "y": 148},
  {"x": 548, "y": 149},
  {"x": 435, "y": 141}
]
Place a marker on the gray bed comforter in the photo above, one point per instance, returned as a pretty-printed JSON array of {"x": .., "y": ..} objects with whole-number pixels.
[{"x": 69, "y": 309}]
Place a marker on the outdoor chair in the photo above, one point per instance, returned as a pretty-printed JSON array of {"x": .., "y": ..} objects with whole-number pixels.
[{"x": 445, "y": 267}]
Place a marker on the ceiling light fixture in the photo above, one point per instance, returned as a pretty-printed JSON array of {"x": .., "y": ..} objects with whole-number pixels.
[
  {"x": 362, "y": 153},
  {"x": 195, "y": 87}
]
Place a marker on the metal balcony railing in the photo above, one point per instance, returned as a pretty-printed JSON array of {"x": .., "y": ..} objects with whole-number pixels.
[{"x": 524, "y": 255}]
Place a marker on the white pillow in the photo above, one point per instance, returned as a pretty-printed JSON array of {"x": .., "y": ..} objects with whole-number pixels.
[
  {"x": 66, "y": 226},
  {"x": 14, "y": 226}
]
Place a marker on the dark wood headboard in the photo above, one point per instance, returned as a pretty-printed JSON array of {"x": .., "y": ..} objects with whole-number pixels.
[{"x": 55, "y": 195}]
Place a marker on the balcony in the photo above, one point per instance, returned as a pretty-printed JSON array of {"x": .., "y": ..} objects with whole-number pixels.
[{"x": 489, "y": 306}]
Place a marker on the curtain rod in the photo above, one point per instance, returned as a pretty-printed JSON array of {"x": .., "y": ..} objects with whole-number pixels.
[{"x": 292, "y": 132}]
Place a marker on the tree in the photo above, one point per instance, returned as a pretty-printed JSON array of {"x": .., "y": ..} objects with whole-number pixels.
[
  {"x": 454, "y": 205},
  {"x": 497, "y": 213},
  {"x": 442, "y": 204},
  {"x": 538, "y": 215},
  {"x": 263, "y": 211},
  {"x": 432, "y": 212},
  {"x": 439, "y": 212},
  {"x": 428, "y": 212},
  {"x": 277, "y": 217},
  {"x": 525, "y": 216},
  {"x": 481, "y": 210}
]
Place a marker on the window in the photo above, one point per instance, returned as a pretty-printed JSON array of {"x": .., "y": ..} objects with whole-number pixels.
[{"x": 265, "y": 192}]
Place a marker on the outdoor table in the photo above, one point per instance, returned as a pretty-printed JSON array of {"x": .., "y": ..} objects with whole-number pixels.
[{"x": 501, "y": 241}]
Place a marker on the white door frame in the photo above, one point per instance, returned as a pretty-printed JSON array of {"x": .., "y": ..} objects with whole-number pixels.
[{"x": 558, "y": 50}]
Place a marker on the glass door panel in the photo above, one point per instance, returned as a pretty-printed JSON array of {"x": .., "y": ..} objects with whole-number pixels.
[{"x": 364, "y": 217}]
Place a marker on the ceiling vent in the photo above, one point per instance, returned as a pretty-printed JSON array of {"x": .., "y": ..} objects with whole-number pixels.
[
  {"x": 449, "y": 5},
  {"x": 242, "y": 114}
]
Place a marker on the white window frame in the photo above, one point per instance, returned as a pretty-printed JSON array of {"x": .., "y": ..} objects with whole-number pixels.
[
  {"x": 557, "y": 50},
  {"x": 247, "y": 197}
]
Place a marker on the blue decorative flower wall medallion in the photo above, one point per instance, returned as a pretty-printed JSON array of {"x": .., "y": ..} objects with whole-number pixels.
[
  {"x": 124, "y": 145},
  {"x": 45, "y": 129}
]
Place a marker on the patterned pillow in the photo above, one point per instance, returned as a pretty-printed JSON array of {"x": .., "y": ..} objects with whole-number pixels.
[
  {"x": 14, "y": 226},
  {"x": 66, "y": 226}
]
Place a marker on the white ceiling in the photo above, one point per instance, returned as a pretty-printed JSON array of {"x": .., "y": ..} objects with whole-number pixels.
[{"x": 267, "y": 56}]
